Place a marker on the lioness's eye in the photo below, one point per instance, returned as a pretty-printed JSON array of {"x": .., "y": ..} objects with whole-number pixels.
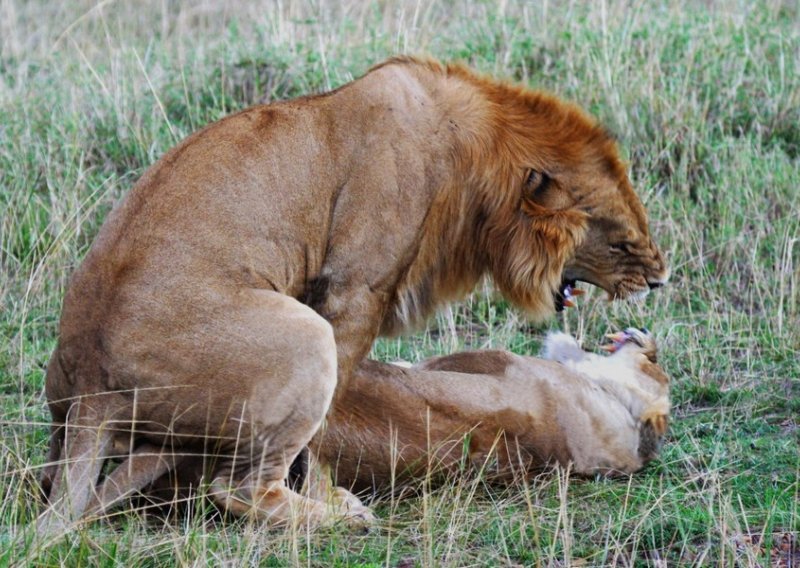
[{"x": 619, "y": 247}]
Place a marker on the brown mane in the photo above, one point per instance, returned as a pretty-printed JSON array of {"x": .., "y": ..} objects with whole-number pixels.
[{"x": 524, "y": 255}]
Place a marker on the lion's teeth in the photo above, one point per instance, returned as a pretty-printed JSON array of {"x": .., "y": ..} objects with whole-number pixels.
[{"x": 569, "y": 294}]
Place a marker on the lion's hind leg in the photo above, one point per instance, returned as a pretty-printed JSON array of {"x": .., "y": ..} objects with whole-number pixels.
[
  {"x": 143, "y": 466},
  {"x": 264, "y": 494},
  {"x": 87, "y": 439},
  {"x": 286, "y": 353},
  {"x": 279, "y": 506},
  {"x": 50, "y": 468},
  {"x": 260, "y": 489}
]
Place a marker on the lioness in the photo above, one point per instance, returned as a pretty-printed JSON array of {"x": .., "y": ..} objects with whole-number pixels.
[
  {"x": 504, "y": 412},
  {"x": 506, "y": 415},
  {"x": 244, "y": 278}
]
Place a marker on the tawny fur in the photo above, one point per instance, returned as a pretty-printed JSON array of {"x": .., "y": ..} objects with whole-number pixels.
[
  {"x": 505, "y": 414},
  {"x": 245, "y": 277}
]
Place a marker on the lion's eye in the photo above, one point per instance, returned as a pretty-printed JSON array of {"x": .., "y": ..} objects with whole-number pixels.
[
  {"x": 536, "y": 182},
  {"x": 619, "y": 247}
]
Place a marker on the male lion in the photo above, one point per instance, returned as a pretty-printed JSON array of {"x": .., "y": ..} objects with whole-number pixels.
[
  {"x": 246, "y": 275},
  {"x": 507, "y": 414}
]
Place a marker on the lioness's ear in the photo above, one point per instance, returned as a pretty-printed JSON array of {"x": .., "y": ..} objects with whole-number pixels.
[{"x": 543, "y": 190}]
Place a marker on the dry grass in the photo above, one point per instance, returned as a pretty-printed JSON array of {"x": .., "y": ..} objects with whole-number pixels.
[{"x": 706, "y": 100}]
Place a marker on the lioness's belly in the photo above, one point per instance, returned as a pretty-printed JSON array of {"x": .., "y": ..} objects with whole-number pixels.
[{"x": 395, "y": 424}]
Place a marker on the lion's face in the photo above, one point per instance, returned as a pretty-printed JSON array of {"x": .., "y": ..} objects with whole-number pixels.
[
  {"x": 616, "y": 252},
  {"x": 577, "y": 222},
  {"x": 622, "y": 261}
]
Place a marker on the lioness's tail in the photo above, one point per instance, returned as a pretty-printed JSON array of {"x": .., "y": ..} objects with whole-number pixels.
[{"x": 85, "y": 442}]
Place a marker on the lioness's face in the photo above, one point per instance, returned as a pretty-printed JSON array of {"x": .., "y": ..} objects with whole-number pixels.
[
  {"x": 617, "y": 253},
  {"x": 640, "y": 340}
]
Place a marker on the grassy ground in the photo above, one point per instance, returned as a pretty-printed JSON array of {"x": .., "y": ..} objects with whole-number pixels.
[{"x": 705, "y": 98}]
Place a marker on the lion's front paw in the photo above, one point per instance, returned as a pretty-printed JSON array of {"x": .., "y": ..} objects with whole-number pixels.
[
  {"x": 360, "y": 518},
  {"x": 351, "y": 510}
]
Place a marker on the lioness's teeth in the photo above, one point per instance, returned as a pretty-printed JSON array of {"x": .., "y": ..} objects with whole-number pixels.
[{"x": 617, "y": 337}]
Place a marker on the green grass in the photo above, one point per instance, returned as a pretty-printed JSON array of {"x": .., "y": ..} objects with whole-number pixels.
[{"x": 706, "y": 102}]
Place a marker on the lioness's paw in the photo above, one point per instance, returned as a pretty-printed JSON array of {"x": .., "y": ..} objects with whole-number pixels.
[
  {"x": 562, "y": 347},
  {"x": 658, "y": 422}
]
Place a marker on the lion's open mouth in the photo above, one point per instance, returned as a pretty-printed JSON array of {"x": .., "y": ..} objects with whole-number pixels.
[
  {"x": 565, "y": 296},
  {"x": 567, "y": 291}
]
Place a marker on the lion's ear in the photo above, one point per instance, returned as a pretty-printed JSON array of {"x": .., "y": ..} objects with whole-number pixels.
[{"x": 543, "y": 190}]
